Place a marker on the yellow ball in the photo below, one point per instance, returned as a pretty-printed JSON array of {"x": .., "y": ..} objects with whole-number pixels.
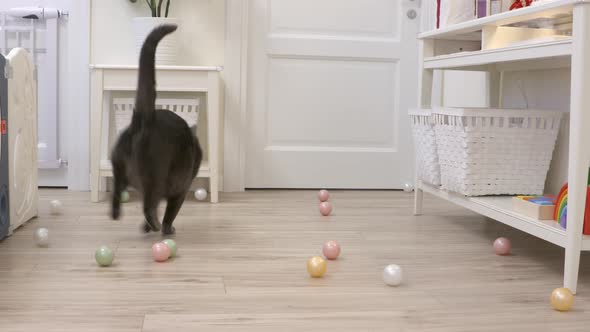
[
  {"x": 562, "y": 299},
  {"x": 316, "y": 266}
]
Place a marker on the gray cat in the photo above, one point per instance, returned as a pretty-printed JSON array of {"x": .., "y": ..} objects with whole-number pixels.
[{"x": 158, "y": 154}]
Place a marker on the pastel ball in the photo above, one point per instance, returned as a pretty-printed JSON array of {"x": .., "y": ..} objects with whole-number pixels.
[
  {"x": 331, "y": 250},
  {"x": 392, "y": 275},
  {"x": 502, "y": 246},
  {"x": 104, "y": 256},
  {"x": 326, "y": 208},
  {"x": 408, "y": 187},
  {"x": 323, "y": 195},
  {"x": 124, "y": 196},
  {"x": 316, "y": 267},
  {"x": 201, "y": 194},
  {"x": 172, "y": 245},
  {"x": 42, "y": 237},
  {"x": 160, "y": 252},
  {"x": 562, "y": 299},
  {"x": 55, "y": 207}
]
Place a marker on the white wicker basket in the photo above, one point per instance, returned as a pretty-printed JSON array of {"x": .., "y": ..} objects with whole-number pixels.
[
  {"x": 188, "y": 109},
  {"x": 495, "y": 151},
  {"x": 427, "y": 164}
]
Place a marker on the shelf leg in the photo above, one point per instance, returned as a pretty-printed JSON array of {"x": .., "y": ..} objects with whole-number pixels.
[
  {"x": 579, "y": 154},
  {"x": 418, "y": 198},
  {"x": 425, "y": 81},
  {"x": 214, "y": 130}
]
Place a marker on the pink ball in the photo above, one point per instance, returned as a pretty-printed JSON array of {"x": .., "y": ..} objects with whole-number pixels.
[
  {"x": 331, "y": 250},
  {"x": 325, "y": 208},
  {"x": 160, "y": 252},
  {"x": 323, "y": 195},
  {"x": 502, "y": 246}
]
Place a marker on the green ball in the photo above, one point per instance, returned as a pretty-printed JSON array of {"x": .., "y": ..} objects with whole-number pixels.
[
  {"x": 124, "y": 196},
  {"x": 172, "y": 245},
  {"x": 104, "y": 256}
]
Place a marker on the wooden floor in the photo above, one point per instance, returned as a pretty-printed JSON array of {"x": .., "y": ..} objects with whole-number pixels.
[{"x": 241, "y": 266}]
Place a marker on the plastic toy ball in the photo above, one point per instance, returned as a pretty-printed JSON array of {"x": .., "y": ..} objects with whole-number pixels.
[
  {"x": 172, "y": 245},
  {"x": 55, "y": 207},
  {"x": 502, "y": 246},
  {"x": 104, "y": 256},
  {"x": 160, "y": 252},
  {"x": 562, "y": 299},
  {"x": 124, "y": 196},
  {"x": 323, "y": 195},
  {"x": 42, "y": 237},
  {"x": 325, "y": 208},
  {"x": 316, "y": 267},
  {"x": 392, "y": 275},
  {"x": 331, "y": 250},
  {"x": 408, "y": 187},
  {"x": 201, "y": 194}
]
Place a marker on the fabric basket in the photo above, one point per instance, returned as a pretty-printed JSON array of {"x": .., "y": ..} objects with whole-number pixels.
[
  {"x": 427, "y": 165},
  {"x": 188, "y": 109},
  {"x": 495, "y": 151}
]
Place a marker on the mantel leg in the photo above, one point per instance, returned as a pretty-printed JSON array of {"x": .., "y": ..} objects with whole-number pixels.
[{"x": 96, "y": 108}]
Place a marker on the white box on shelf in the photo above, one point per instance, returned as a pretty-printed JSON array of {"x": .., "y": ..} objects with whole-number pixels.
[
  {"x": 456, "y": 11},
  {"x": 495, "y": 151}
]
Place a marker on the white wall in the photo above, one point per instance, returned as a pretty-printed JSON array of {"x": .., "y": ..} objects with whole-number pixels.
[{"x": 202, "y": 31}]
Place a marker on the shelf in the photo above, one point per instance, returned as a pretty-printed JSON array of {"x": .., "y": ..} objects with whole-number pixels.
[
  {"x": 535, "y": 51},
  {"x": 106, "y": 169},
  {"x": 549, "y": 9},
  {"x": 500, "y": 208}
]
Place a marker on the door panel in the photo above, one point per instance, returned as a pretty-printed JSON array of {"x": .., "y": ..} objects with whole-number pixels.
[{"x": 328, "y": 89}]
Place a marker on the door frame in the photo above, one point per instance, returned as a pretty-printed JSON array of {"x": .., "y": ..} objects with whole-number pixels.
[
  {"x": 235, "y": 75},
  {"x": 78, "y": 111}
]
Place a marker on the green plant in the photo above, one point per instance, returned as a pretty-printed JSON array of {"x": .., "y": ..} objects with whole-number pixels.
[{"x": 156, "y": 7}]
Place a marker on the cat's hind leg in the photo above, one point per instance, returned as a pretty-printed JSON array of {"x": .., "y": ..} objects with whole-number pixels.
[
  {"x": 172, "y": 209},
  {"x": 150, "y": 211},
  {"x": 120, "y": 184}
]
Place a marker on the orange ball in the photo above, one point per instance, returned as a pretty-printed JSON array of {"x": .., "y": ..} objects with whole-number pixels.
[
  {"x": 316, "y": 266},
  {"x": 562, "y": 299}
]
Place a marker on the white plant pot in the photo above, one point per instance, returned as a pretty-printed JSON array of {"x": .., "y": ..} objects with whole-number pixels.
[{"x": 167, "y": 51}]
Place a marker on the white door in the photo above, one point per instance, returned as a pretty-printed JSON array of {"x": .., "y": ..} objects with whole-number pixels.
[{"x": 329, "y": 85}]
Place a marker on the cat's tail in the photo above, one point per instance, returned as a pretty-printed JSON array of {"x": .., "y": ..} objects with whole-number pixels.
[{"x": 146, "y": 86}]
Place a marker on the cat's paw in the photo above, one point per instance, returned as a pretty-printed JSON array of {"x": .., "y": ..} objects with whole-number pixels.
[
  {"x": 116, "y": 213},
  {"x": 146, "y": 227},
  {"x": 168, "y": 230}
]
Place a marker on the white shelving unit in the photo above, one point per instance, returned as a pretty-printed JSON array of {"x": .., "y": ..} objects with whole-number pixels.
[{"x": 505, "y": 44}]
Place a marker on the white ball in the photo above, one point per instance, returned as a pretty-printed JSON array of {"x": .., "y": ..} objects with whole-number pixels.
[
  {"x": 42, "y": 237},
  {"x": 201, "y": 194},
  {"x": 392, "y": 275},
  {"x": 408, "y": 187},
  {"x": 55, "y": 207}
]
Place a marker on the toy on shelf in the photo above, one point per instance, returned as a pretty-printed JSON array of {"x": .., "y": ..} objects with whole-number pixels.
[
  {"x": 538, "y": 207},
  {"x": 517, "y": 4},
  {"x": 560, "y": 213}
]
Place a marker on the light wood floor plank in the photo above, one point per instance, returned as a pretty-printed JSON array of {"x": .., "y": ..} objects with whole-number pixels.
[{"x": 241, "y": 267}]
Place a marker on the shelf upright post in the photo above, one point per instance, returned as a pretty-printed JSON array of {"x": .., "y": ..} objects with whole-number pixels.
[
  {"x": 579, "y": 153},
  {"x": 425, "y": 49}
]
